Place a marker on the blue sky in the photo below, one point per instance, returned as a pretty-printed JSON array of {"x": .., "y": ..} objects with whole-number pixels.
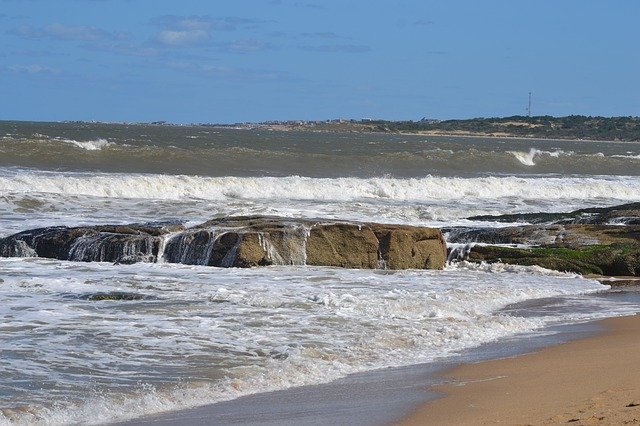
[{"x": 248, "y": 60}]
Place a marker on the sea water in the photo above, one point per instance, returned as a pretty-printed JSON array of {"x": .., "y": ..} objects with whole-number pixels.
[{"x": 95, "y": 342}]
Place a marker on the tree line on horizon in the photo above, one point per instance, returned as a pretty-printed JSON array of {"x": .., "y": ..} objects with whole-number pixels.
[{"x": 545, "y": 126}]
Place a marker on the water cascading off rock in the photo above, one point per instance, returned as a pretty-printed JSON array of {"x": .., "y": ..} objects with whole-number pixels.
[{"x": 240, "y": 242}]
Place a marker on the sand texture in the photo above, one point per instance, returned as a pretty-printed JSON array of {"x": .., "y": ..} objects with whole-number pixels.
[{"x": 583, "y": 382}]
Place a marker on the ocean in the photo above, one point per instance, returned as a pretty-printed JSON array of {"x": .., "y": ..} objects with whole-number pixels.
[{"x": 189, "y": 335}]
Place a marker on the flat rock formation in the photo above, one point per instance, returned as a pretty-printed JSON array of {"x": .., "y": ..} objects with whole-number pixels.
[
  {"x": 613, "y": 260},
  {"x": 240, "y": 242},
  {"x": 603, "y": 241},
  {"x": 569, "y": 235},
  {"x": 627, "y": 214}
]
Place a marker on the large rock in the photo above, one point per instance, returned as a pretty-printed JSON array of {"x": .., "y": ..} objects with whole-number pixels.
[
  {"x": 109, "y": 243},
  {"x": 241, "y": 242},
  {"x": 569, "y": 235},
  {"x": 603, "y": 241},
  {"x": 342, "y": 244},
  {"x": 628, "y": 214},
  {"x": 615, "y": 259},
  {"x": 408, "y": 247}
]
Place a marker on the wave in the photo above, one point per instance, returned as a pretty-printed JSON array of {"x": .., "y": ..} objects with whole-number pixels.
[
  {"x": 527, "y": 158},
  {"x": 633, "y": 157},
  {"x": 419, "y": 190},
  {"x": 247, "y": 154},
  {"x": 95, "y": 145},
  {"x": 418, "y": 316}
]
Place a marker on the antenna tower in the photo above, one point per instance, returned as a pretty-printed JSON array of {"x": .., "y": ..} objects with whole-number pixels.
[{"x": 529, "y": 107}]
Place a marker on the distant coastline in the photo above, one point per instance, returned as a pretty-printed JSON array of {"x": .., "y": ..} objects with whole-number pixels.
[{"x": 573, "y": 127}]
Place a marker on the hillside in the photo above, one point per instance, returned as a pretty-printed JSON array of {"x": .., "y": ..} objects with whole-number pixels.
[{"x": 570, "y": 127}]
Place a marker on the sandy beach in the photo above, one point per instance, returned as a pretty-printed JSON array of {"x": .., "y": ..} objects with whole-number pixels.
[{"x": 583, "y": 382}]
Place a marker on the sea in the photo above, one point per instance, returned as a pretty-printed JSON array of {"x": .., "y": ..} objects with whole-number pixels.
[{"x": 191, "y": 335}]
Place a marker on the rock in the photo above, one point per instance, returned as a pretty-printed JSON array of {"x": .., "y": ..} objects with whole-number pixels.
[
  {"x": 569, "y": 235},
  {"x": 408, "y": 247},
  {"x": 603, "y": 241},
  {"x": 344, "y": 245},
  {"x": 114, "y": 295},
  {"x": 623, "y": 214},
  {"x": 241, "y": 242},
  {"x": 614, "y": 259},
  {"x": 92, "y": 243}
]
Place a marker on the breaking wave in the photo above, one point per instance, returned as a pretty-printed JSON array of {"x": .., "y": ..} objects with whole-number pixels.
[
  {"x": 529, "y": 158},
  {"x": 95, "y": 145},
  {"x": 179, "y": 187}
]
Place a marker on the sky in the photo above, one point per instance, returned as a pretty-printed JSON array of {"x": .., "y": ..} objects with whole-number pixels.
[{"x": 228, "y": 61}]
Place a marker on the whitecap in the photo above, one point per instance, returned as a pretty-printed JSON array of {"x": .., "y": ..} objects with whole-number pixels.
[{"x": 95, "y": 145}]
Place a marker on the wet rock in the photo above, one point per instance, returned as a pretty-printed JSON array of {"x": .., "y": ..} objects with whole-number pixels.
[
  {"x": 343, "y": 245},
  {"x": 614, "y": 259},
  {"x": 114, "y": 295},
  {"x": 604, "y": 241},
  {"x": 109, "y": 243},
  {"x": 569, "y": 235},
  {"x": 628, "y": 214},
  {"x": 241, "y": 242},
  {"x": 408, "y": 247}
]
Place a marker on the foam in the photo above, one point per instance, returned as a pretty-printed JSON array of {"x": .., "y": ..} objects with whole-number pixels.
[
  {"x": 95, "y": 145},
  {"x": 633, "y": 157},
  {"x": 528, "y": 158},
  {"x": 426, "y": 189},
  {"x": 254, "y": 330}
]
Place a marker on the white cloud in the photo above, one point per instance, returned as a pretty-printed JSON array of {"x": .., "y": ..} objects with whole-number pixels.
[
  {"x": 184, "y": 31},
  {"x": 59, "y": 31},
  {"x": 33, "y": 69},
  {"x": 178, "y": 38}
]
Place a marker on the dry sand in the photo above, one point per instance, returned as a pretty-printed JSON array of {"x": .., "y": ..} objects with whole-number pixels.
[{"x": 583, "y": 382}]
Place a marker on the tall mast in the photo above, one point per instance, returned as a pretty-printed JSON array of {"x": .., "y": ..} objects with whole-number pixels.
[{"x": 529, "y": 107}]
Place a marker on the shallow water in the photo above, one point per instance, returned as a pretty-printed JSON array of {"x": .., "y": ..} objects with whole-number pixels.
[{"x": 94, "y": 342}]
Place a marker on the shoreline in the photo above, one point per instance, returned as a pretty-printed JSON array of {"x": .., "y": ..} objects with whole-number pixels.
[
  {"x": 592, "y": 380},
  {"x": 377, "y": 397}
]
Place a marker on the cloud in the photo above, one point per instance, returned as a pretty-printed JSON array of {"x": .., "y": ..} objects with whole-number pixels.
[
  {"x": 244, "y": 46},
  {"x": 176, "y": 38},
  {"x": 124, "y": 48},
  {"x": 182, "y": 31},
  {"x": 64, "y": 32},
  {"x": 33, "y": 69},
  {"x": 423, "y": 23},
  {"x": 323, "y": 34},
  {"x": 343, "y": 48},
  {"x": 35, "y": 53}
]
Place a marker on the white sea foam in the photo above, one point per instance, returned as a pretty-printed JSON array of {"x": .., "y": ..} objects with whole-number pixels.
[
  {"x": 529, "y": 158},
  {"x": 95, "y": 145},
  {"x": 633, "y": 157},
  {"x": 180, "y": 187},
  {"x": 254, "y": 330},
  {"x": 35, "y": 199}
]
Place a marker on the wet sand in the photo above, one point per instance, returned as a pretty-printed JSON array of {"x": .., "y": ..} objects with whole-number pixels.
[{"x": 595, "y": 380}]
